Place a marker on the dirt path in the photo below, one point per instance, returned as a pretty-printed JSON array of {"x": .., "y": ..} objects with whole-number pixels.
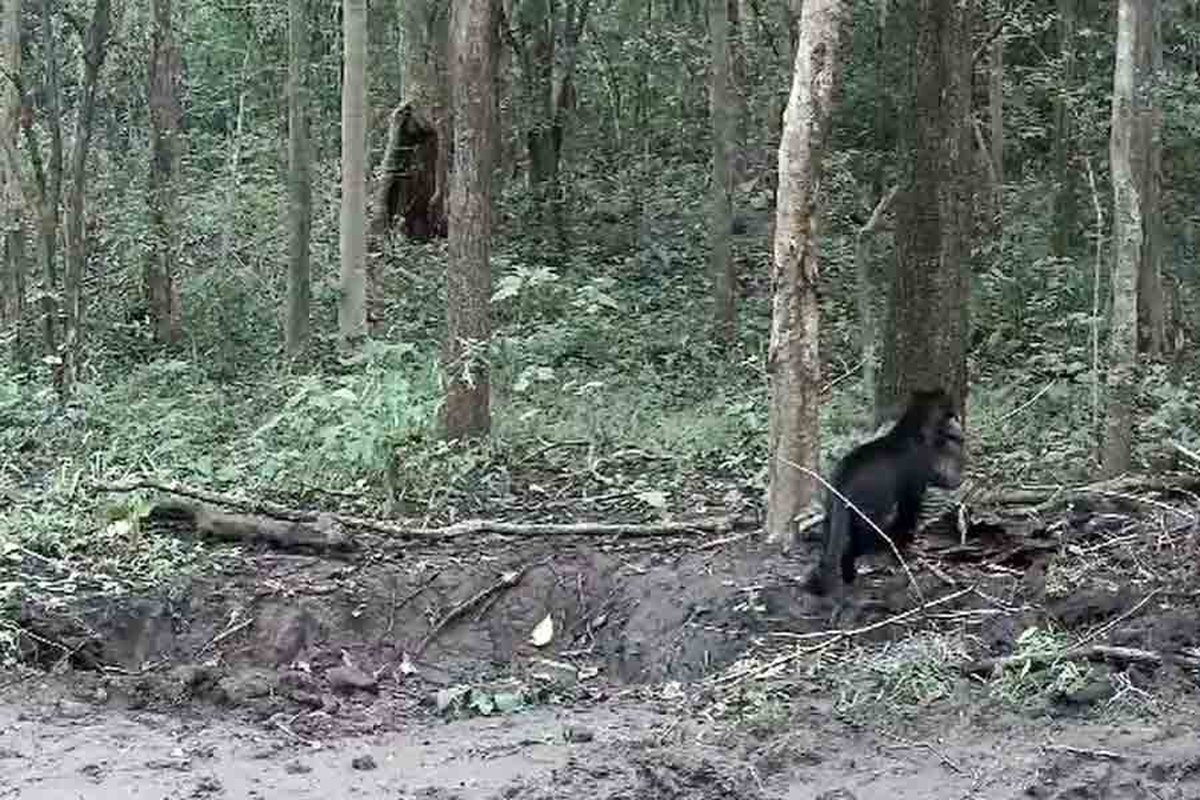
[{"x": 69, "y": 749}]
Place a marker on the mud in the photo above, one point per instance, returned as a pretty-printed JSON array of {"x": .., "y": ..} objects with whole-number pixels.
[{"x": 412, "y": 673}]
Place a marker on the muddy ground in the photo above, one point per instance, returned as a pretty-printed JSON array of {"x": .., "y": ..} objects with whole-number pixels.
[{"x": 411, "y": 672}]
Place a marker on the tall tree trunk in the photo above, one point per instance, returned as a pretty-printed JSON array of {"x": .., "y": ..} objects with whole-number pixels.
[
  {"x": 352, "y": 316},
  {"x": 12, "y": 287},
  {"x": 159, "y": 276},
  {"x": 793, "y": 358},
  {"x": 299, "y": 181},
  {"x": 1148, "y": 175},
  {"x": 426, "y": 82},
  {"x": 739, "y": 107},
  {"x": 49, "y": 177},
  {"x": 468, "y": 280},
  {"x": 1065, "y": 175},
  {"x": 95, "y": 47},
  {"x": 865, "y": 292},
  {"x": 883, "y": 111},
  {"x": 548, "y": 67},
  {"x": 996, "y": 122},
  {"x": 1127, "y": 243},
  {"x": 926, "y": 321},
  {"x": 721, "y": 207}
]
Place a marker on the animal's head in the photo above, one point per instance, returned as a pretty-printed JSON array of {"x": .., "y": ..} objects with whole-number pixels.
[{"x": 933, "y": 416}]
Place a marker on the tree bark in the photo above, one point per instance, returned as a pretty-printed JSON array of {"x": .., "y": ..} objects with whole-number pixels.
[
  {"x": 1065, "y": 183},
  {"x": 299, "y": 182},
  {"x": 95, "y": 48},
  {"x": 159, "y": 277},
  {"x": 926, "y": 321},
  {"x": 468, "y": 280},
  {"x": 996, "y": 123},
  {"x": 720, "y": 203},
  {"x": 427, "y": 88},
  {"x": 1127, "y": 244},
  {"x": 1148, "y": 175},
  {"x": 736, "y": 82},
  {"x": 12, "y": 287},
  {"x": 352, "y": 312},
  {"x": 867, "y": 328},
  {"x": 793, "y": 358}
]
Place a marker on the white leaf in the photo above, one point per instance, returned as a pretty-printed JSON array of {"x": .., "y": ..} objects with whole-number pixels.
[{"x": 543, "y": 633}]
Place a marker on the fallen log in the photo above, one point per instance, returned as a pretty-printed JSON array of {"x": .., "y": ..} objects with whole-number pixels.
[{"x": 323, "y": 534}]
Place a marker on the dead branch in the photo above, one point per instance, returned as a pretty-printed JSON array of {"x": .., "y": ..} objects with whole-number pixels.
[
  {"x": 506, "y": 581},
  {"x": 719, "y": 525},
  {"x": 324, "y": 534},
  {"x": 1095, "y": 652},
  {"x": 1059, "y": 495},
  {"x": 1107, "y": 755}
]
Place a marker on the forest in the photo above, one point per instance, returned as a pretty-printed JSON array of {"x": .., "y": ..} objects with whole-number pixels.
[{"x": 455, "y": 398}]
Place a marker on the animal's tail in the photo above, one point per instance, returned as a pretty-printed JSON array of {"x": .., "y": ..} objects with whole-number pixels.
[{"x": 835, "y": 539}]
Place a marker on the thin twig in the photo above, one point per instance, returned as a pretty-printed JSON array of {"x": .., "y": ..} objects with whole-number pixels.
[
  {"x": 1116, "y": 620},
  {"x": 1084, "y": 751},
  {"x": 838, "y": 636},
  {"x": 506, "y": 581}
]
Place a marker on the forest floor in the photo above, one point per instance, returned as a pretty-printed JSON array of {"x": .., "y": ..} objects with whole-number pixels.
[{"x": 675, "y": 667}]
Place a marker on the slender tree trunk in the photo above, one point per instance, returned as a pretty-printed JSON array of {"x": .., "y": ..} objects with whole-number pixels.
[
  {"x": 996, "y": 122},
  {"x": 721, "y": 207},
  {"x": 427, "y": 87},
  {"x": 1065, "y": 214},
  {"x": 883, "y": 111},
  {"x": 1148, "y": 175},
  {"x": 867, "y": 327},
  {"x": 12, "y": 288},
  {"x": 1127, "y": 245},
  {"x": 352, "y": 316},
  {"x": 468, "y": 280},
  {"x": 299, "y": 181},
  {"x": 735, "y": 36},
  {"x": 793, "y": 358},
  {"x": 927, "y": 320},
  {"x": 160, "y": 279},
  {"x": 95, "y": 47}
]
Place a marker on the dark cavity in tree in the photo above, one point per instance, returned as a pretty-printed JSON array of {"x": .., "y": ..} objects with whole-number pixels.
[
  {"x": 408, "y": 180},
  {"x": 886, "y": 479}
]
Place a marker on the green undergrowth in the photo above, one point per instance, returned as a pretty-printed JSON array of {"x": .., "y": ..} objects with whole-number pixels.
[{"x": 603, "y": 350}]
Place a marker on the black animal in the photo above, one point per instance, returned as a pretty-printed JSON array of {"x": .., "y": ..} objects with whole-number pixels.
[{"x": 886, "y": 479}]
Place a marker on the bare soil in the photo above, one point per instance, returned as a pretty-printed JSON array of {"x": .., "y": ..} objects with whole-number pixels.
[{"x": 300, "y": 676}]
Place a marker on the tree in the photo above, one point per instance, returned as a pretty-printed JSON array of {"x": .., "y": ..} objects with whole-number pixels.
[
  {"x": 299, "y": 181},
  {"x": 996, "y": 118},
  {"x": 427, "y": 90},
  {"x": 548, "y": 49},
  {"x": 159, "y": 273},
  {"x": 793, "y": 360},
  {"x": 468, "y": 280},
  {"x": 1065, "y": 175},
  {"x": 721, "y": 209},
  {"x": 1147, "y": 167},
  {"x": 95, "y": 47},
  {"x": 926, "y": 319},
  {"x": 1128, "y": 234},
  {"x": 12, "y": 277},
  {"x": 352, "y": 306}
]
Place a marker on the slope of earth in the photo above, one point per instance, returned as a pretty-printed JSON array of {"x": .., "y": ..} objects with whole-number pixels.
[{"x": 616, "y": 667}]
